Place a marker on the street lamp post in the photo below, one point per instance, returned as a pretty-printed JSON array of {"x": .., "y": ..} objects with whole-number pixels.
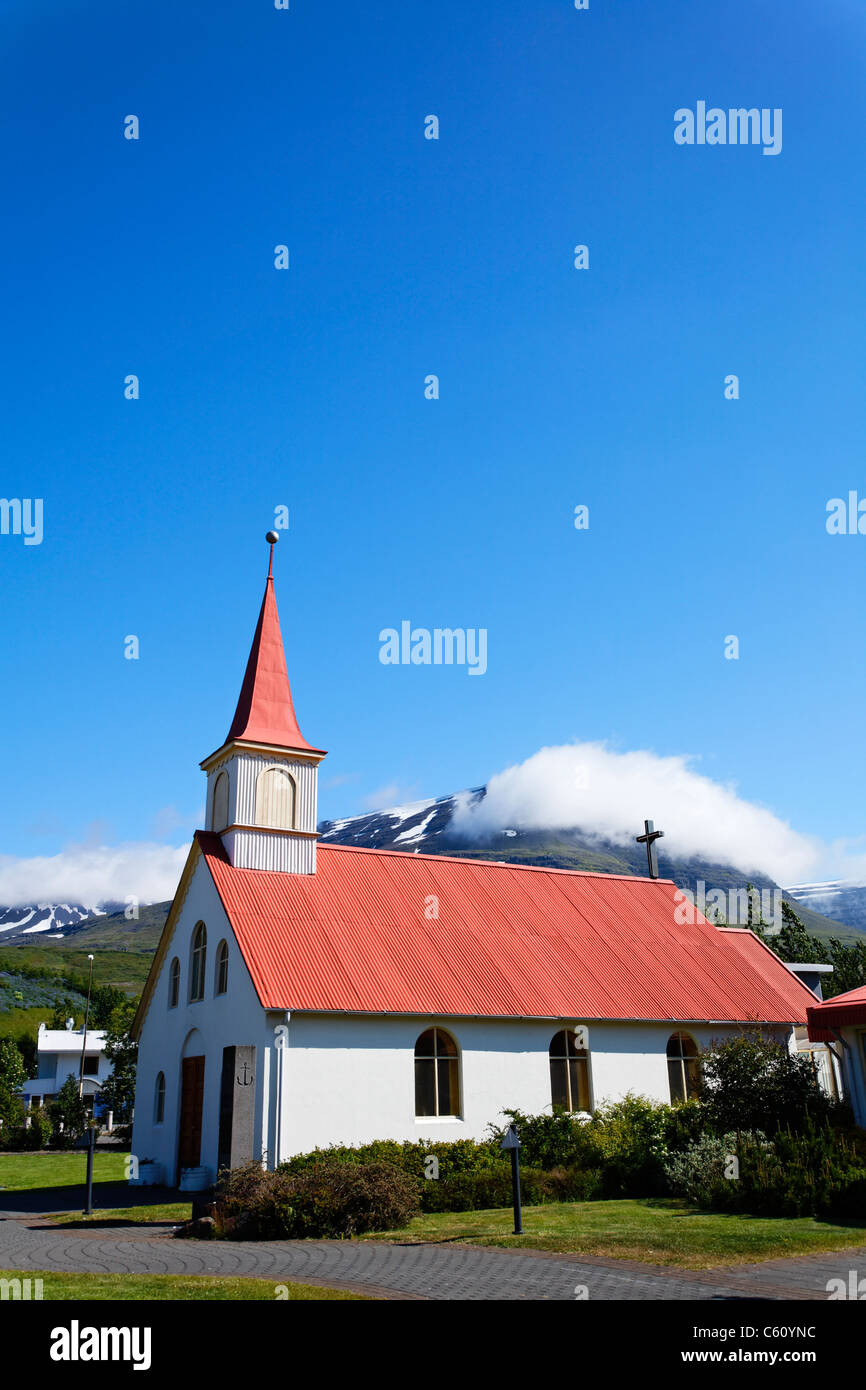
[{"x": 84, "y": 1039}]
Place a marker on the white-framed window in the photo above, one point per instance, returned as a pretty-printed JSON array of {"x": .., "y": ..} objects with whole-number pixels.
[
  {"x": 437, "y": 1074},
  {"x": 275, "y": 799},
  {"x": 569, "y": 1073},
  {"x": 220, "y": 817},
  {"x": 197, "y": 963},
  {"x": 683, "y": 1067},
  {"x": 159, "y": 1099},
  {"x": 173, "y": 983},
  {"x": 221, "y": 971}
]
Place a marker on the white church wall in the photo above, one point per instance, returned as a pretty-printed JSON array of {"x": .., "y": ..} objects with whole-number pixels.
[
  {"x": 235, "y": 1017},
  {"x": 350, "y": 1080}
]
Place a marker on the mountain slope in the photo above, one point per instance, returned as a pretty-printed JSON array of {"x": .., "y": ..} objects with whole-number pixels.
[{"x": 428, "y": 827}]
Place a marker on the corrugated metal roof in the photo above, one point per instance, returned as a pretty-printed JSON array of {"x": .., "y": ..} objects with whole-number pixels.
[
  {"x": 509, "y": 941},
  {"x": 841, "y": 1011}
]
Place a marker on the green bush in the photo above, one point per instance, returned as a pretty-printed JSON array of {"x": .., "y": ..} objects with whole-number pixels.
[
  {"x": 324, "y": 1200},
  {"x": 36, "y": 1135},
  {"x": 546, "y": 1141},
  {"x": 820, "y": 1172},
  {"x": 699, "y": 1173},
  {"x": 751, "y": 1082},
  {"x": 413, "y": 1158},
  {"x": 493, "y": 1188}
]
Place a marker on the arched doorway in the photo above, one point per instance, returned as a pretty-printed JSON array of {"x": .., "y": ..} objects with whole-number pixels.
[{"x": 191, "y": 1102}]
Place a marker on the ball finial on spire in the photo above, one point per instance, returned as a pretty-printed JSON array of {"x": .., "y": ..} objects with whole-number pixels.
[{"x": 271, "y": 539}]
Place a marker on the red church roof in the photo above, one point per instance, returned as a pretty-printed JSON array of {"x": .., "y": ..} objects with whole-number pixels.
[
  {"x": 359, "y": 935},
  {"x": 265, "y": 712},
  {"x": 841, "y": 1011}
]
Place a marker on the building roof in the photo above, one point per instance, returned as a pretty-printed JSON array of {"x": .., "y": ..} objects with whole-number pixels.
[
  {"x": 265, "y": 712},
  {"x": 838, "y": 1012},
  {"x": 69, "y": 1040},
  {"x": 511, "y": 941}
]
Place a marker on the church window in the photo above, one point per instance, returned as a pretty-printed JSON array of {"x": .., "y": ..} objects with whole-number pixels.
[
  {"x": 159, "y": 1099},
  {"x": 569, "y": 1073},
  {"x": 275, "y": 799},
  {"x": 221, "y": 801},
  {"x": 683, "y": 1067},
  {"x": 222, "y": 968},
  {"x": 197, "y": 963},
  {"x": 437, "y": 1080},
  {"x": 174, "y": 983}
]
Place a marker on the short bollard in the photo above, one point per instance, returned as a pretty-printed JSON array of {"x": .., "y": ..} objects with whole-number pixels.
[{"x": 511, "y": 1145}]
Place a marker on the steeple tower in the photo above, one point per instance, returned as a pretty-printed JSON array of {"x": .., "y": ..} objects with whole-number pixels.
[{"x": 261, "y": 796}]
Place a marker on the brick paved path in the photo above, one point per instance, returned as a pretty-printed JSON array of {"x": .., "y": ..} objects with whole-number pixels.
[{"x": 446, "y": 1271}]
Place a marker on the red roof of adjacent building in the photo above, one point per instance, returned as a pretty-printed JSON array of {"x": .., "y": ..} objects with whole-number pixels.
[
  {"x": 265, "y": 712},
  {"x": 839, "y": 1012},
  {"x": 360, "y": 935}
]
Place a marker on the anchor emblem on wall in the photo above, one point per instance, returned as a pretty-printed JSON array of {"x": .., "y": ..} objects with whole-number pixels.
[{"x": 245, "y": 1080}]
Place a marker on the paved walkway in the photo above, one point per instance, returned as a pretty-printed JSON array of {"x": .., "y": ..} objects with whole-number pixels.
[{"x": 442, "y": 1271}]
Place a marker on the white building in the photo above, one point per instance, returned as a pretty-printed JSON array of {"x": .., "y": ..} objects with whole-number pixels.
[
  {"x": 303, "y": 995},
  {"x": 58, "y": 1054},
  {"x": 841, "y": 1024}
]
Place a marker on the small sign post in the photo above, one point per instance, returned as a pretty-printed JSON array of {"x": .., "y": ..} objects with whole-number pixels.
[
  {"x": 88, "y": 1142},
  {"x": 511, "y": 1145}
]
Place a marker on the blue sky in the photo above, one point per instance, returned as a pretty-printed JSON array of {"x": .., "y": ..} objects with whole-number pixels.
[{"x": 305, "y": 388}]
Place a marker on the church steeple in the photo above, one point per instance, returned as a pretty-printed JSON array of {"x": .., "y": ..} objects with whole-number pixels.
[
  {"x": 265, "y": 712},
  {"x": 262, "y": 782}
]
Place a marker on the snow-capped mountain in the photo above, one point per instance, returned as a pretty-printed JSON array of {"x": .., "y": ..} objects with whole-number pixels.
[
  {"x": 842, "y": 901},
  {"x": 421, "y": 825},
  {"x": 50, "y": 920},
  {"x": 429, "y": 827}
]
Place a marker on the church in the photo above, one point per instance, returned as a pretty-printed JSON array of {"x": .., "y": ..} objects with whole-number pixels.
[{"x": 305, "y": 995}]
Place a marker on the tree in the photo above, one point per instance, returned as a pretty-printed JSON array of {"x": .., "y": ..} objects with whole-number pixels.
[
  {"x": 13, "y": 1074},
  {"x": 752, "y": 1082},
  {"x": 104, "y": 999},
  {"x": 118, "y": 1092},
  {"x": 67, "y": 1108},
  {"x": 63, "y": 1009}
]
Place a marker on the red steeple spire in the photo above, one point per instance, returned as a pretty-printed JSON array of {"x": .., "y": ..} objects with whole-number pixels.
[{"x": 265, "y": 713}]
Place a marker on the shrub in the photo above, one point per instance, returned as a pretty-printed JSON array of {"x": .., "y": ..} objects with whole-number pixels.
[
  {"x": 698, "y": 1174},
  {"x": 323, "y": 1200},
  {"x": 67, "y": 1108},
  {"x": 546, "y": 1141},
  {"x": 36, "y": 1135},
  {"x": 751, "y": 1082},
  {"x": 413, "y": 1158},
  {"x": 821, "y": 1172},
  {"x": 493, "y": 1188}
]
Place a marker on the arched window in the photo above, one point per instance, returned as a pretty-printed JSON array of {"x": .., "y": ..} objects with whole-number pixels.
[
  {"x": 159, "y": 1099},
  {"x": 275, "y": 799},
  {"x": 221, "y": 982},
  {"x": 197, "y": 963},
  {"x": 221, "y": 801},
  {"x": 173, "y": 983},
  {"x": 437, "y": 1079},
  {"x": 569, "y": 1073},
  {"x": 683, "y": 1068}
]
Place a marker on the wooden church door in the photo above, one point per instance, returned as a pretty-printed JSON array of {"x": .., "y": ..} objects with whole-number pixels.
[{"x": 191, "y": 1099}]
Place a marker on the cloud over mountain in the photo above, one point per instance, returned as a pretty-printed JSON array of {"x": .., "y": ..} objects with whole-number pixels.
[
  {"x": 587, "y": 785},
  {"x": 93, "y": 874}
]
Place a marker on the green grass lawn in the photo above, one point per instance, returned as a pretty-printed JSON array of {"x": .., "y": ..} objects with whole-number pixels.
[
  {"x": 173, "y": 1212},
  {"x": 655, "y": 1230},
  {"x": 178, "y": 1288},
  {"x": 66, "y": 1168}
]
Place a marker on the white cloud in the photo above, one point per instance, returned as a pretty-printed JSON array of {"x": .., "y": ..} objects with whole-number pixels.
[
  {"x": 586, "y": 785},
  {"x": 93, "y": 874}
]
